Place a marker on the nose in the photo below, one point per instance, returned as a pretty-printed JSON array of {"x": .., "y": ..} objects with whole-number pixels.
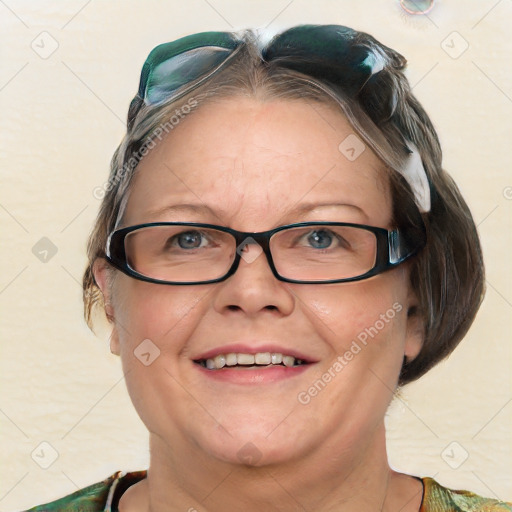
[{"x": 253, "y": 288}]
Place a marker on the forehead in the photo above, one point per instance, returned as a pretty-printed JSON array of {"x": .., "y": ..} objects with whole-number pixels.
[{"x": 255, "y": 161}]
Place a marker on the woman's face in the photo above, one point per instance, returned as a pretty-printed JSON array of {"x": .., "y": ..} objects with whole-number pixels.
[{"x": 252, "y": 166}]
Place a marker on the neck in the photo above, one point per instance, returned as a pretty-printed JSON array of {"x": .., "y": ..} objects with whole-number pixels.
[{"x": 327, "y": 480}]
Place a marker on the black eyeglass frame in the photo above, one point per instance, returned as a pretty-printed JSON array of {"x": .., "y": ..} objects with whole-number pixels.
[{"x": 393, "y": 248}]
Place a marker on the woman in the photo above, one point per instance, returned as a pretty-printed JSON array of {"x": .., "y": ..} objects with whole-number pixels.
[{"x": 277, "y": 250}]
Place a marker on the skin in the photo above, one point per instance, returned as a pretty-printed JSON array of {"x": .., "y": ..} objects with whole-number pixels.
[{"x": 253, "y": 162}]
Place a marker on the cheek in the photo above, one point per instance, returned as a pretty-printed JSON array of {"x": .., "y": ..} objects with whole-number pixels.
[
  {"x": 364, "y": 324},
  {"x": 156, "y": 312},
  {"x": 154, "y": 323},
  {"x": 372, "y": 313}
]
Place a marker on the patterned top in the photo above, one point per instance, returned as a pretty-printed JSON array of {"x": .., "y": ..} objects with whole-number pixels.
[{"x": 104, "y": 497}]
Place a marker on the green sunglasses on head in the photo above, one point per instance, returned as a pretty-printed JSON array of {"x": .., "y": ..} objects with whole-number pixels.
[{"x": 329, "y": 52}]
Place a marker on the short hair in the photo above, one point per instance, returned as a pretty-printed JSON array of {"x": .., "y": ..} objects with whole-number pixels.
[{"x": 447, "y": 275}]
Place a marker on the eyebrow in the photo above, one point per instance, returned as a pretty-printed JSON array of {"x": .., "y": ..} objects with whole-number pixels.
[
  {"x": 307, "y": 207},
  {"x": 300, "y": 209},
  {"x": 185, "y": 208}
]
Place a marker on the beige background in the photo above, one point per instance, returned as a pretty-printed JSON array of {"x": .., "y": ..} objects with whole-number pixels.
[{"x": 62, "y": 116}]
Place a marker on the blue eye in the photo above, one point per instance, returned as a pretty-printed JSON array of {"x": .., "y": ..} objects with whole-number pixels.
[
  {"x": 320, "y": 238},
  {"x": 189, "y": 239}
]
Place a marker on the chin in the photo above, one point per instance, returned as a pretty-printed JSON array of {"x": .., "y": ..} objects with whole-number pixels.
[
  {"x": 255, "y": 444},
  {"x": 255, "y": 454}
]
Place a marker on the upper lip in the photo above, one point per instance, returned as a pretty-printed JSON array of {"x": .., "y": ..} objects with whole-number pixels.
[{"x": 253, "y": 348}]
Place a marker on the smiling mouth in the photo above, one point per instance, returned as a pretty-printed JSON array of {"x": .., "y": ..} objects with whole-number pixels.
[{"x": 248, "y": 361}]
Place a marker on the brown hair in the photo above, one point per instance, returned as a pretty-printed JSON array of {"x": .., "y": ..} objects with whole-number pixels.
[{"x": 447, "y": 275}]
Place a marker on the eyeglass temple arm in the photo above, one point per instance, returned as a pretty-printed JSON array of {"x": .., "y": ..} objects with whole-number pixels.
[{"x": 401, "y": 247}]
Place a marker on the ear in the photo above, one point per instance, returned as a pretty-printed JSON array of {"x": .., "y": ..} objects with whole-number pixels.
[
  {"x": 415, "y": 328},
  {"x": 103, "y": 278}
]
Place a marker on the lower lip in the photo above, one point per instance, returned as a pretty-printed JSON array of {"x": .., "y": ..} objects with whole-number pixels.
[{"x": 265, "y": 375}]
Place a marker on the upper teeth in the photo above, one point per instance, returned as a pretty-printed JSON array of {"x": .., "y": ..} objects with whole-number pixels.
[{"x": 261, "y": 358}]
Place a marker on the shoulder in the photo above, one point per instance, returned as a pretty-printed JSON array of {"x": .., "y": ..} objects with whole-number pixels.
[
  {"x": 93, "y": 498},
  {"x": 437, "y": 498}
]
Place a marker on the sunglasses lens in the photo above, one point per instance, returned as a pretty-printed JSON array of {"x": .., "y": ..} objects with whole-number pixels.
[{"x": 185, "y": 62}]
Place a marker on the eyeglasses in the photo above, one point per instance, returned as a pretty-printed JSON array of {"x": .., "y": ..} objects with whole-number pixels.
[{"x": 186, "y": 253}]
